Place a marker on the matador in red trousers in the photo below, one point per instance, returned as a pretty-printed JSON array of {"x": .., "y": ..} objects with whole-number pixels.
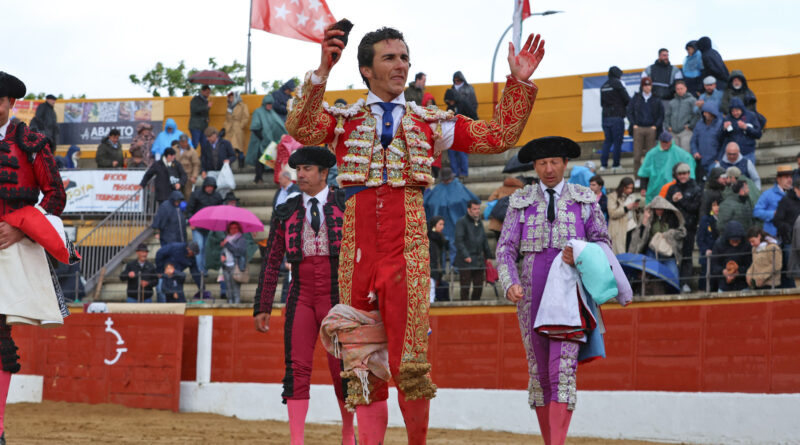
[{"x": 384, "y": 149}]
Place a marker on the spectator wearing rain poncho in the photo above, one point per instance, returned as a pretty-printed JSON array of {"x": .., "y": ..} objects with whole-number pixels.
[
  {"x": 265, "y": 127},
  {"x": 164, "y": 139}
]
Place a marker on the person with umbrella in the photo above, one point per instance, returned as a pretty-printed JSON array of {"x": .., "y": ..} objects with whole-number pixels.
[
  {"x": 541, "y": 221},
  {"x": 307, "y": 228},
  {"x": 198, "y": 115}
]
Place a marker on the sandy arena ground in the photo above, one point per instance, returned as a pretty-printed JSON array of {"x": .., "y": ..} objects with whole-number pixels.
[{"x": 56, "y": 423}]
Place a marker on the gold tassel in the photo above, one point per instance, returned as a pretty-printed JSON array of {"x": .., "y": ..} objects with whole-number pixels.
[{"x": 415, "y": 381}]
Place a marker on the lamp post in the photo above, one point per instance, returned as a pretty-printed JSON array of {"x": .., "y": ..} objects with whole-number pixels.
[{"x": 497, "y": 48}]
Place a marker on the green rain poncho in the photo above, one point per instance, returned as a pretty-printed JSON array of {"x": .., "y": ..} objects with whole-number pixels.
[
  {"x": 657, "y": 166},
  {"x": 265, "y": 127}
]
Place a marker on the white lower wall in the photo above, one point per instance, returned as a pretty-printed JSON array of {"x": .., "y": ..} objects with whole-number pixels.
[
  {"x": 711, "y": 418},
  {"x": 25, "y": 388}
]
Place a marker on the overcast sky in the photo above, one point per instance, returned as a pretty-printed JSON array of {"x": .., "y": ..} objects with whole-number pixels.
[{"x": 92, "y": 46}]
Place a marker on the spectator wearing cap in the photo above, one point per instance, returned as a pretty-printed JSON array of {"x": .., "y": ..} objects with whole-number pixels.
[
  {"x": 581, "y": 174},
  {"x": 141, "y": 146},
  {"x": 170, "y": 221},
  {"x": 693, "y": 68},
  {"x": 656, "y": 170},
  {"x": 140, "y": 276},
  {"x": 734, "y": 158},
  {"x": 706, "y": 136},
  {"x": 109, "y": 152},
  {"x": 198, "y": 115},
  {"x": 736, "y": 206},
  {"x": 181, "y": 255},
  {"x": 214, "y": 153},
  {"x": 768, "y": 202},
  {"x": 743, "y": 127},
  {"x": 169, "y": 175},
  {"x": 45, "y": 121},
  {"x": 732, "y": 176},
  {"x": 686, "y": 195},
  {"x": 679, "y": 117},
  {"x": 711, "y": 95},
  {"x": 614, "y": 99},
  {"x": 190, "y": 161},
  {"x": 646, "y": 116},
  {"x": 416, "y": 89}
]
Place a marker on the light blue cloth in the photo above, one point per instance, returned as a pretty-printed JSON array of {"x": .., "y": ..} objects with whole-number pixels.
[
  {"x": 580, "y": 175},
  {"x": 595, "y": 272},
  {"x": 165, "y": 138},
  {"x": 693, "y": 65},
  {"x": 766, "y": 206}
]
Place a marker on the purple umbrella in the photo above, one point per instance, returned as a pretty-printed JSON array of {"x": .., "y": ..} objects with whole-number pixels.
[{"x": 218, "y": 217}]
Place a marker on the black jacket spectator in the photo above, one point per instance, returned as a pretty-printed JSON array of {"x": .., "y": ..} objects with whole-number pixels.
[
  {"x": 170, "y": 286},
  {"x": 744, "y": 93},
  {"x": 471, "y": 242},
  {"x": 199, "y": 199},
  {"x": 713, "y": 65},
  {"x": 614, "y": 98},
  {"x": 147, "y": 273},
  {"x": 212, "y": 158},
  {"x": 646, "y": 113},
  {"x": 724, "y": 252},
  {"x": 467, "y": 101},
  {"x": 746, "y": 138},
  {"x": 707, "y": 234},
  {"x": 170, "y": 220},
  {"x": 166, "y": 178},
  {"x": 663, "y": 76},
  {"x": 107, "y": 153},
  {"x": 198, "y": 109},
  {"x": 689, "y": 204},
  {"x": 786, "y": 214},
  {"x": 45, "y": 122},
  {"x": 178, "y": 255},
  {"x": 712, "y": 191},
  {"x": 439, "y": 247},
  {"x": 281, "y": 97},
  {"x": 69, "y": 277}
]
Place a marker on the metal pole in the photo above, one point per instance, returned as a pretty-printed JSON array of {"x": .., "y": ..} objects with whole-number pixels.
[
  {"x": 497, "y": 48},
  {"x": 247, "y": 81},
  {"x": 708, "y": 273}
]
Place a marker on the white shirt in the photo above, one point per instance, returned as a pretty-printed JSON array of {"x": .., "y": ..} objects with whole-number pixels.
[
  {"x": 558, "y": 188},
  {"x": 3, "y": 129},
  {"x": 448, "y": 127},
  {"x": 322, "y": 197}
]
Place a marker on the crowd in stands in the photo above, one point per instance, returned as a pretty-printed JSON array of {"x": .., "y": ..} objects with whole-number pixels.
[{"x": 695, "y": 184}]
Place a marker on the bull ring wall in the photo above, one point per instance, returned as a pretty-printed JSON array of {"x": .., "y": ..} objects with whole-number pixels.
[{"x": 716, "y": 368}]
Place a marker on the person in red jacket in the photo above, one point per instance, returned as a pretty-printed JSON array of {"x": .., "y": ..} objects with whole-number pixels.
[
  {"x": 385, "y": 147},
  {"x": 27, "y": 168}
]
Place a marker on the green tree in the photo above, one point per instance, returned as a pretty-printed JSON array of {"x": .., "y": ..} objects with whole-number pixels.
[
  {"x": 273, "y": 86},
  {"x": 176, "y": 80}
]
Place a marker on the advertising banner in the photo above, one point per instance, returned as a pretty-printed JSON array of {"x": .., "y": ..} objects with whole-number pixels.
[
  {"x": 101, "y": 190},
  {"x": 592, "y": 113},
  {"x": 87, "y": 123},
  {"x": 24, "y": 110}
]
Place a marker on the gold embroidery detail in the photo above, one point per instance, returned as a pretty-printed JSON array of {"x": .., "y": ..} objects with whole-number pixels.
[
  {"x": 307, "y": 121},
  {"x": 347, "y": 251}
]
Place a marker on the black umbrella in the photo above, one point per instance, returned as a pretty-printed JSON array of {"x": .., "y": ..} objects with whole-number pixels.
[{"x": 514, "y": 166}]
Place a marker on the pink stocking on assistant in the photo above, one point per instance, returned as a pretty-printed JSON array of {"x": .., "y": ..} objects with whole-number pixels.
[
  {"x": 348, "y": 433},
  {"x": 544, "y": 422},
  {"x": 372, "y": 421},
  {"x": 560, "y": 417},
  {"x": 297, "y": 420},
  {"x": 5, "y": 382}
]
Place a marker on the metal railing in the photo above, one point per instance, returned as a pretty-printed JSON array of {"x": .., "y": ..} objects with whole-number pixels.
[{"x": 115, "y": 237}]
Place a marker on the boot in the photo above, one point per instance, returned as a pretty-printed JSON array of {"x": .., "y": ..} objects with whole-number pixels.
[
  {"x": 560, "y": 417},
  {"x": 348, "y": 433},
  {"x": 544, "y": 425},
  {"x": 297, "y": 420},
  {"x": 415, "y": 415},
  {"x": 372, "y": 421}
]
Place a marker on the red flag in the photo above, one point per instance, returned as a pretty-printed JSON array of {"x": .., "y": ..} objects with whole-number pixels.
[{"x": 298, "y": 19}]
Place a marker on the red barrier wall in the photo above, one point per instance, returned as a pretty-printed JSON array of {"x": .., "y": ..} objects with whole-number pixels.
[
  {"x": 732, "y": 347},
  {"x": 71, "y": 359}
]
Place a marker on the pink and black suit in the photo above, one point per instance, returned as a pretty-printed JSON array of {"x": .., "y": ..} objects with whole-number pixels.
[{"x": 314, "y": 289}]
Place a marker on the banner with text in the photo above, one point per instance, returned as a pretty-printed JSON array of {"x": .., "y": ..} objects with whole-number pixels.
[
  {"x": 24, "y": 110},
  {"x": 87, "y": 123},
  {"x": 101, "y": 190},
  {"x": 592, "y": 112}
]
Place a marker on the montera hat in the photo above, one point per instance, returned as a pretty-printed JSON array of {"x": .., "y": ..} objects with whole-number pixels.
[
  {"x": 11, "y": 87},
  {"x": 312, "y": 156},
  {"x": 549, "y": 147}
]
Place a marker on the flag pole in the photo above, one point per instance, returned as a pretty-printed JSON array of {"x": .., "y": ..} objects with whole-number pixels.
[{"x": 247, "y": 82}]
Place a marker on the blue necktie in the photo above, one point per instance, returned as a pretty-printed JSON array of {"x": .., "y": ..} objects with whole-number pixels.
[{"x": 387, "y": 126}]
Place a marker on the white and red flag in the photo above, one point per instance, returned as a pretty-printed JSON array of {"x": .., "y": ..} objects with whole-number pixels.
[
  {"x": 522, "y": 10},
  {"x": 298, "y": 19}
]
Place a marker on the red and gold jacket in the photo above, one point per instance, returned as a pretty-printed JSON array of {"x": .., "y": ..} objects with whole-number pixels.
[
  {"x": 286, "y": 238},
  {"x": 27, "y": 167},
  {"x": 352, "y": 134}
]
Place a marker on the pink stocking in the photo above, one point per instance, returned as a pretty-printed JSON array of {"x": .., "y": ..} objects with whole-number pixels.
[
  {"x": 415, "y": 415},
  {"x": 297, "y": 420},
  {"x": 348, "y": 433},
  {"x": 544, "y": 422},
  {"x": 372, "y": 421},
  {"x": 560, "y": 417}
]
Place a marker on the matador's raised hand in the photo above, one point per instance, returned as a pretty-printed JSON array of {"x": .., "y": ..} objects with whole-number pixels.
[
  {"x": 330, "y": 46},
  {"x": 525, "y": 63}
]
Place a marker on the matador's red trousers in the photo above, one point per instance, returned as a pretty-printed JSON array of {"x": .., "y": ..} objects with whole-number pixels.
[{"x": 385, "y": 253}]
